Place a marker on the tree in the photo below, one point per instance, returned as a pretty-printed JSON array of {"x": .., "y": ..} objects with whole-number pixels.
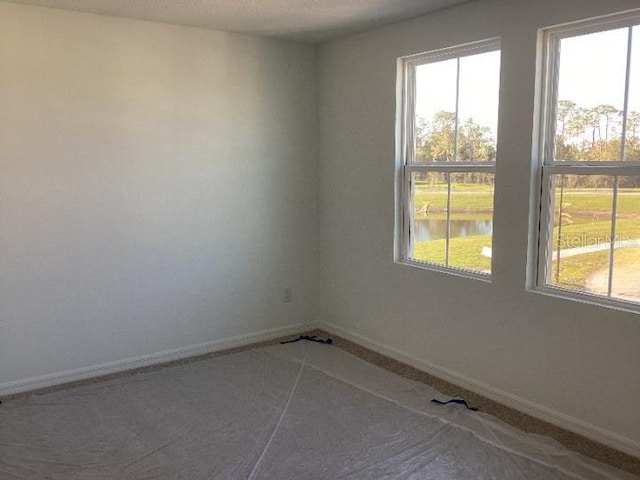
[
  {"x": 475, "y": 142},
  {"x": 440, "y": 142},
  {"x": 608, "y": 115},
  {"x": 565, "y": 112},
  {"x": 581, "y": 134},
  {"x": 436, "y": 141},
  {"x": 632, "y": 144}
]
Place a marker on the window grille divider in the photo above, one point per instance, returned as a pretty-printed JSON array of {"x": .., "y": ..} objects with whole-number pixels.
[{"x": 552, "y": 170}]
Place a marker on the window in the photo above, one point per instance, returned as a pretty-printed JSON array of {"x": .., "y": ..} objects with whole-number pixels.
[
  {"x": 448, "y": 149},
  {"x": 589, "y": 238}
]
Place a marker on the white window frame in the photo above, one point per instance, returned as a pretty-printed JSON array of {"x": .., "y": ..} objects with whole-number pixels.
[
  {"x": 406, "y": 151},
  {"x": 549, "y": 166}
]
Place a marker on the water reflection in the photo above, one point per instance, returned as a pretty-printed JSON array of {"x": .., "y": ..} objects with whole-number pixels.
[{"x": 435, "y": 229}]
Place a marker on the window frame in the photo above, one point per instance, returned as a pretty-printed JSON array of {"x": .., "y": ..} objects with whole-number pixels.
[
  {"x": 548, "y": 165},
  {"x": 406, "y": 140}
]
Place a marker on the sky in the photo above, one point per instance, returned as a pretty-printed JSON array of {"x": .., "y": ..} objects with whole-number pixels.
[
  {"x": 593, "y": 69},
  {"x": 592, "y": 72},
  {"x": 479, "y": 88}
]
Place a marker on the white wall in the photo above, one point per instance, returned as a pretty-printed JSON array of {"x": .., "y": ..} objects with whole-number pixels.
[
  {"x": 574, "y": 361},
  {"x": 157, "y": 188}
]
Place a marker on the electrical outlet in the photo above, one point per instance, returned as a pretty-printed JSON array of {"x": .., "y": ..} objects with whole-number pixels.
[{"x": 286, "y": 295}]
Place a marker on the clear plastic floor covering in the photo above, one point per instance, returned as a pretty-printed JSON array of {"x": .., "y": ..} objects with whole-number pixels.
[{"x": 296, "y": 411}]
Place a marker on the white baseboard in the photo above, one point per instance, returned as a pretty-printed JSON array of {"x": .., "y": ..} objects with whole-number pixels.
[
  {"x": 44, "y": 381},
  {"x": 598, "y": 434}
]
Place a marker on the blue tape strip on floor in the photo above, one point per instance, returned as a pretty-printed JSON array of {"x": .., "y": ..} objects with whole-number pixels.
[
  {"x": 311, "y": 338},
  {"x": 459, "y": 401}
]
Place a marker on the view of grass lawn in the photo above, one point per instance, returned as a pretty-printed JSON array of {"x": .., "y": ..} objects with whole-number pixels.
[
  {"x": 593, "y": 200},
  {"x": 587, "y": 231},
  {"x": 432, "y": 199},
  {"x": 586, "y": 222},
  {"x": 465, "y": 252},
  {"x": 576, "y": 271}
]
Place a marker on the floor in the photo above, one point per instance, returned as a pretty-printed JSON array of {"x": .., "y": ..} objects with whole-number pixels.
[
  {"x": 519, "y": 420},
  {"x": 297, "y": 411}
]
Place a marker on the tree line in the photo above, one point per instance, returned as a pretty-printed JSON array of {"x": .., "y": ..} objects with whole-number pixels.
[
  {"x": 594, "y": 135},
  {"x": 438, "y": 141},
  {"x": 586, "y": 134}
]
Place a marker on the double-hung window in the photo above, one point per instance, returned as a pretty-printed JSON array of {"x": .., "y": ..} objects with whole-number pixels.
[
  {"x": 448, "y": 151},
  {"x": 589, "y": 237}
]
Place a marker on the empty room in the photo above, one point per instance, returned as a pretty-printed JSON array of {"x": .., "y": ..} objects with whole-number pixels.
[{"x": 319, "y": 239}]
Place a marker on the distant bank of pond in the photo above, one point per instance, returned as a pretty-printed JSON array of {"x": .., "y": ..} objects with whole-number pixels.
[{"x": 436, "y": 229}]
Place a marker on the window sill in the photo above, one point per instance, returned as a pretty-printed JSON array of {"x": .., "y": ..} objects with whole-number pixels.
[
  {"x": 458, "y": 272},
  {"x": 586, "y": 298}
]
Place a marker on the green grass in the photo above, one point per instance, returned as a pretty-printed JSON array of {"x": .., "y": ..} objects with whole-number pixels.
[
  {"x": 479, "y": 198},
  {"x": 589, "y": 232},
  {"x": 465, "y": 252},
  {"x": 587, "y": 201},
  {"x": 470, "y": 187},
  {"x": 470, "y": 201},
  {"x": 574, "y": 271},
  {"x": 585, "y": 223}
]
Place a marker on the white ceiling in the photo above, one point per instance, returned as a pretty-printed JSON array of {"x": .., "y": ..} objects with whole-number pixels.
[{"x": 305, "y": 20}]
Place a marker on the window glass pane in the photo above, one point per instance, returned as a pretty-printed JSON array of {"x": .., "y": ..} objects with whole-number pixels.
[
  {"x": 626, "y": 259},
  {"x": 580, "y": 245},
  {"x": 592, "y": 73},
  {"x": 429, "y": 224},
  {"x": 452, "y": 220},
  {"x": 435, "y": 111},
  {"x": 478, "y": 107},
  {"x": 633, "y": 117},
  {"x": 471, "y": 221}
]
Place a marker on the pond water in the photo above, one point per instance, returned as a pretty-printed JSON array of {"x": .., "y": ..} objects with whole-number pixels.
[{"x": 435, "y": 229}]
